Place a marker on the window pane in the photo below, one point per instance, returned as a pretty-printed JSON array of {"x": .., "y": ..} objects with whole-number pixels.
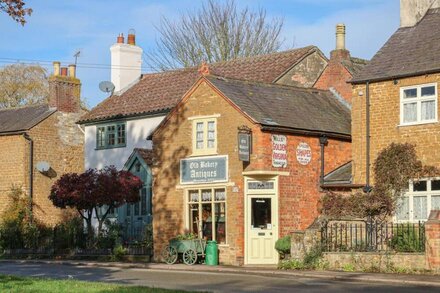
[
  {"x": 220, "y": 223},
  {"x": 261, "y": 216},
  {"x": 435, "y": 185},
  {"x": 409, "y": 112},
  {"x": 211, "y": 144},
  {"x": 207, "y": 221},
  {"x": 121, "y": 134},
  {"x": 410, "y": 93},
  {"x": 199, "y": 145},
  {"x": 402, "y": 212},
  {"x": 220, "y": 194},
  {"x": 200, "y": 126},
  {"x": 128, "y": 209},
  {"x": 193, "y": 195},
  {"x": 428, "y": 110},
  {"x": 428, "y": 91},
  {"x": 144, "y": 201},
  {"x": 206, "y": 195},
  {"x": 420, "y": 208},
  {"x": 435, "y": 202},
  {"x": 420, "y": 185},
  {"x": 211, "y": 125},
  {"x": 101, "y": 137},
  {"x": 136, "y": 209},
  {"x": 194, "y": 218}
]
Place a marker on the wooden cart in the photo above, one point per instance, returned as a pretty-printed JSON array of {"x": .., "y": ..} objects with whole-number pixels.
[{"x": 188, "y": 250}]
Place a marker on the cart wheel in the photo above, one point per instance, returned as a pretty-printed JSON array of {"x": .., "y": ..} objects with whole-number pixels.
[
  {"x": 190, "y": 257},
  {"x": 169, "y": 254}
]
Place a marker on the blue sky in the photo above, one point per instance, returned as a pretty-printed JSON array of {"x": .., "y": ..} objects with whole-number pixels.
[{"x": 58, "y": 28}]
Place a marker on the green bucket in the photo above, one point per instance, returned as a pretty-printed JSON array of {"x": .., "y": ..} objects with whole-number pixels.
[{"x": 211, "y": 258}]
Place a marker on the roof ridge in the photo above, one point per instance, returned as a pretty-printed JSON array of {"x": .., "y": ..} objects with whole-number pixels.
[{"x": 25, "y": 106}]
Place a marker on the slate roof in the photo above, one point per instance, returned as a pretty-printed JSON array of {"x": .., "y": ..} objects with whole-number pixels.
[
  {"x": 23, "y": 118},
  {"x": 355, "y": 65},
  {"x": 410, "y": 51},
  {"x": 159, "y": 92},
  {"x": 282, "y": 107},
  {"x": 341, "y": 175}
]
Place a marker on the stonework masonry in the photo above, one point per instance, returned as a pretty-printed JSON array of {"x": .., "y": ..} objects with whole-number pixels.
[
  {"x": 384, "y": 124},
  {"x": 299, "y": 192}
]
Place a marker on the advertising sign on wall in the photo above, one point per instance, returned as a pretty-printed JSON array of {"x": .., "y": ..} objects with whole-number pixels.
[
  {"x": 279, "y": 151},
  {"x": 244, "y": 147},
  {"x": 204, "y": 170},
  {"x": 303, "y": 153}
]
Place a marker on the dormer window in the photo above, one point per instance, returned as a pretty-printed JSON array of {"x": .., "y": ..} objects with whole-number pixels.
[
  {"x": 111, "y": 136},
  {"x": 418, "y": 104}
]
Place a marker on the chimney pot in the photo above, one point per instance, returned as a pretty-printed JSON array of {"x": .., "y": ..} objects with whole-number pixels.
[
  {"x": 131, "y": 39},
  {"x": 56, "y": 68},
  {"x": 63, "y": 71},
  {"x": 72, "y": 70},
  {"x": 120, "y": 39},
  {"x": 340, "y": 36}
]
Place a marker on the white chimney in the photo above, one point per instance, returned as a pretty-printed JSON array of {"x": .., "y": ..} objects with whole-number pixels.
[
  {"x": 412, "y": 11},
  {"x": 126, "y": 62}
]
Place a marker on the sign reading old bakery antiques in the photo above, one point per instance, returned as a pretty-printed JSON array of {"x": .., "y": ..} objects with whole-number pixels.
[
  {"x": 244, "y": 147},
  {"x": 279, "y": 151},
  {"x": 204, "y": 170},
  {"x": 303, "y": 153}
]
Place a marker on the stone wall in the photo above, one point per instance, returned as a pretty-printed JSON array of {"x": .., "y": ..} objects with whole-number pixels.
[{"x": 384, "y": 124}]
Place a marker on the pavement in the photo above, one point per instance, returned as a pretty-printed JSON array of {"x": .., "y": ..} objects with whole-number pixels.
[{"x": 399, "y": 279}]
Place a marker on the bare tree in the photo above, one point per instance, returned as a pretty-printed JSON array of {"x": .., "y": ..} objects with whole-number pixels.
[
  {"x": 216, "y": 32},
  {"x": 22, "y": 84},
  {"x": 16, "y": 9}
]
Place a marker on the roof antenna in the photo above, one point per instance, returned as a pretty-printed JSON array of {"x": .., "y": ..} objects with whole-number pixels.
[{"x": 77, "y": 55}]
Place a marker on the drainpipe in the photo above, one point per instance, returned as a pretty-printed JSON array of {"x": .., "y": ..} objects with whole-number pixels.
[
  {"x": 31, "y": 175},
  {"x": 323, "y": 141},
  {"x": 367, "y": 137}
]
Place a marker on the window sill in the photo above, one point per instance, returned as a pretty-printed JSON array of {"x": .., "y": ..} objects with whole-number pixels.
[
  {"x": 418, "y": 123},
  {"x": 202, "y": 154},
  {"x": 112, "y": 147}
]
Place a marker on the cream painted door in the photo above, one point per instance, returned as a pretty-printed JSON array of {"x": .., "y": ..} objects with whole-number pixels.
[{"x": 262, "y": 230}]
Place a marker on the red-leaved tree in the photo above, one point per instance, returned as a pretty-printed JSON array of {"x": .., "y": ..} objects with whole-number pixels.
[
  {"x": 16, "y": 9},
  {"x": 93, "y": 190}
]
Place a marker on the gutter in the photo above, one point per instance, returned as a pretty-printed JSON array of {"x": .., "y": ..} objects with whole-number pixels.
[
  {"x": 341, "y": 185},
  {"x": 346, "y": 137},
  {"x": 389, "y": 78},
  {"x": 31, "y": 173},
  {"x": 323, "y": 141}
]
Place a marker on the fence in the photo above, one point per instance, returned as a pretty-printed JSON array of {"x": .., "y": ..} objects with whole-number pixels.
[{"x": 360, "y": 236}]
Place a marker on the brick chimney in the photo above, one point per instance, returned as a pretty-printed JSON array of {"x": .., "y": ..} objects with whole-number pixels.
[
  {"x": 412, "y": 11},
  {"x": 336, "y": 74},
  {"x": 126, "y": 61},
  {"x": 64, "y": 89}
]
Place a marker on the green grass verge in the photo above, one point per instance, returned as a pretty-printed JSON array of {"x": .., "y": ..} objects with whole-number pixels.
[{"x": 37, "y": 285}]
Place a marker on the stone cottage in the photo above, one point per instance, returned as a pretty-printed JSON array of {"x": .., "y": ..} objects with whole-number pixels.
[{"x": 40, "y": 143}]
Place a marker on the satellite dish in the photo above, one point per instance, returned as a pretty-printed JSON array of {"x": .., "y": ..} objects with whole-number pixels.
[
  {"x": 106, "y": 86},
  {"x": 43, "y": 166}
]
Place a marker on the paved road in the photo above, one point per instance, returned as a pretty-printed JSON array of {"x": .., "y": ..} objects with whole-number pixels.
[{"x": 213, "y": 282}]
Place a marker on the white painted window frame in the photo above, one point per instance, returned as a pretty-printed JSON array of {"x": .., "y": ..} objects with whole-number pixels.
[
  {"x": 205, "y": 150},
  {"x": 419, "y": 99}
]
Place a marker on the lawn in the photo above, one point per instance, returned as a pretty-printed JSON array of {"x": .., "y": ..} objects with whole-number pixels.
[{"x": 37, "y": 285}]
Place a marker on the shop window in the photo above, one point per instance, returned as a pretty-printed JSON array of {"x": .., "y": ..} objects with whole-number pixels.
[
  {"x": 418, "y": 104},
  {"x": 204, "y": 136},
  {"x": 207, "y": 213},
  {"x": 422, "y": 197},
  {"x": 111, "y": 136}
]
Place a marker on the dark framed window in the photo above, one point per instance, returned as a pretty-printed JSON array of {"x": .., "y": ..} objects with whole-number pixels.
[{"x": 111, "y": 136}]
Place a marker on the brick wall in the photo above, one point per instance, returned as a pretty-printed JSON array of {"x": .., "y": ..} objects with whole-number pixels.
[
  {"x": 384, "y": 124},
  {"x": 299, "y": 192},
  {"x": 13, "y": 162},
  {"x": 336, "y": 75}
]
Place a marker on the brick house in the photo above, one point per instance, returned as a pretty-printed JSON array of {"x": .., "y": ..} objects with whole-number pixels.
[
  {"x": 40, "y": 143},
  {"x": 395, "y": 99},
  {"x": 202, "y": 186}
]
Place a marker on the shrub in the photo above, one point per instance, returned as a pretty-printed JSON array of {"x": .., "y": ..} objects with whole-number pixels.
[
  {"x": 111, "y": 235},
  {"x": 119, "y": 252},
  {"x": 186, "y": 236},
  {"x": 407, "y": 239},
  {"x": 282, "y": 245}
]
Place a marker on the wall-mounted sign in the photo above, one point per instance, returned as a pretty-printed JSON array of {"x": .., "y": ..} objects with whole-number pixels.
[
  {"x": 279, "y": 151},
  {"x": 303, "y": 153},
  {"x": 244, "y": 147},
  {"x": 204, "y": 170}
]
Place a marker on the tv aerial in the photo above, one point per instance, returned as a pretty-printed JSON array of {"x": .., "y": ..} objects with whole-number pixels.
[
  {"x": 107, "y": 86},
  {"x": 77, "y": 55}
]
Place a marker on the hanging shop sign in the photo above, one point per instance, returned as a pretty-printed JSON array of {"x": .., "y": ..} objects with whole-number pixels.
[
  {"x": 279, "y": 151},
  {"x": 204, "y": 170},
  {"x": 303, "y": 153},
  {"x": 244, "y": 147}
]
